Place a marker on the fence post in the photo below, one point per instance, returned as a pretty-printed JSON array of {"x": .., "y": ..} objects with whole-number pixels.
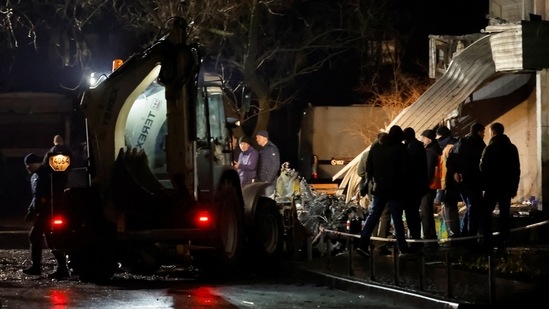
[
  {"x": 396, "y": 265},
  {"x": 372, "y": 264},
  {"x": 421, "y": 270},
  {"x": 491, "y": 279},
  {"x": 449, "y": 291},
  {"x": 351, "y": 249}
]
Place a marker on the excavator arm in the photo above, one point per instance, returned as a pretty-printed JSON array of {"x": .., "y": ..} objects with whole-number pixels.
[{"x": 172, "y": 63}]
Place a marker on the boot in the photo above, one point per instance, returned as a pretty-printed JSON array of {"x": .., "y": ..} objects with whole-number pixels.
[{"x": 36, "y": 257}]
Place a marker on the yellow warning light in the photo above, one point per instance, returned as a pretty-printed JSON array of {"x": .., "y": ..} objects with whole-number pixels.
[{"x": 116, "y": 63}]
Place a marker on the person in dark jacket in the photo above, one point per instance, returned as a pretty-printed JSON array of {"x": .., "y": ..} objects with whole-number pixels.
[
  {"x": 39, "y": 213},
  {"x": 247, "y": 162},
  {"x": 416, "y": 183},
  {"x": 269, "y": 158},
  {"x": 385, "y": 169},
  {"x": 500, "y": 170},
  {"x": 463, "y": 163},
  {"x": 427, "y": 211},
  {"x": 382, "y": 229},
  {"x": 448, "y": 195}
]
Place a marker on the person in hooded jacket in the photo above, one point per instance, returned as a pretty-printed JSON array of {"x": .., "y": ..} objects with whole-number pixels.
[{"x": 500, "y": 170}]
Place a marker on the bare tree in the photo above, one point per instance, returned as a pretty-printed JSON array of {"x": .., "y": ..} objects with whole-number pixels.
[
  {"x": 60, "y": 29},
  {"x": 260, "y": 47}
]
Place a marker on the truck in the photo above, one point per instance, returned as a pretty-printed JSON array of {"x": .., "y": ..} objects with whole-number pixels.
[
  {"x": 159, "y": 185},
  {"x": 331, "y": 136}
]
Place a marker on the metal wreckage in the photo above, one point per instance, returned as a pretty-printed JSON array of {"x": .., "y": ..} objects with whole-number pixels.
[{"x": 317, "y": 211}]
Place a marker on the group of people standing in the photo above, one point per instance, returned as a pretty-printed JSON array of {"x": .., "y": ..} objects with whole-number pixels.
[
  {"x": 253, "y": 165},
  {"x": 409, "y": 175}
]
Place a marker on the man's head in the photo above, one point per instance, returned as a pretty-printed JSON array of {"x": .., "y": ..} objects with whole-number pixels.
[
  {"x": 58, "y": 140},
  {"x": 382, "y": 137},
  {"x": 262, "y": 137},
  {"x": 244, "y": 143},
  {"x": 427, "y": 137},
  {"x": 32, "y": 162},
  {"x": 409, "y": 133},
  {"x": 496, "y": 128},
  {"x": 443, "y": 132},
  {"x": 477, "y": 128},
  {"x": 395, "y": 134}
]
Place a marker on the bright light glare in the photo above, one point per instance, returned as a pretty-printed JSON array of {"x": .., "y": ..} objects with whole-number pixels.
[
  {"x": 58, "y": 222},
  {"x": 203, "y": 218},
  {"x": 92, "y": 80}
]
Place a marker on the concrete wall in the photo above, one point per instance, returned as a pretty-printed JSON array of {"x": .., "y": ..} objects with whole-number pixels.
[{"x": 520, "y": 126}]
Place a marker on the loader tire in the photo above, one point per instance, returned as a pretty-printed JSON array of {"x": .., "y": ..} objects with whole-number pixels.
[
  {"x": 94, "y": 265},
  {"x": 230, "y": 229},
  {"x": 228, "y": 236},
  {"x": 268, "y": 233}
]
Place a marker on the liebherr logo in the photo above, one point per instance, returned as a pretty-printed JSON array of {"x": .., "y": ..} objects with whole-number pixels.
[{"x": 110, "y": 106}]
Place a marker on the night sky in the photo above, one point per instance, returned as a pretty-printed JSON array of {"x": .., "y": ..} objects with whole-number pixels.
[{"x": 334, "y": 86}]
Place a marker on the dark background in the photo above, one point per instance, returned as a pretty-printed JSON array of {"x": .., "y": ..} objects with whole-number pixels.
[
  {"x": 34, "y": 71},
  {"x": 337, "y": 86}
]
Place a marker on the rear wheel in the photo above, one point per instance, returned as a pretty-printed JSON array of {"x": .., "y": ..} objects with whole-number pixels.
[
  {"x": 229, "y": 231},
  {"x": 142, "y": 258},
  {"x": 228, "y": 237},
  {"x": 94, "y": 259},
  {"x": 93, "y": 265},
  {"x": 267, "y": 238}
]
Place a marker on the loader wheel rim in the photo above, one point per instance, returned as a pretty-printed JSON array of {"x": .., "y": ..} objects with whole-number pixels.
[
  {"x": 229, "y": 233},
  {"x": 269, "y": 233}
]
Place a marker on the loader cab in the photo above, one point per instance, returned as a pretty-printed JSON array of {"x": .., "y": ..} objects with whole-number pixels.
[
  {"x": 212, "y": 131},
  {"x": 146, "y": 129}
]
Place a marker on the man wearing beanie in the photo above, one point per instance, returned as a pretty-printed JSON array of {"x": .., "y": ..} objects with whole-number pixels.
[
  {"x": 269, "y": 158},
  {"x": 247, "y": 161}
]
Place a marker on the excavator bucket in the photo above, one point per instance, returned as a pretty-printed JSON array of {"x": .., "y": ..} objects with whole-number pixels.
[{"x": 135, "y": 191}]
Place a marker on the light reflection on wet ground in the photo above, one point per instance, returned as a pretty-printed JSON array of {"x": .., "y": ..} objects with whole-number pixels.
[{"x": 170, "y": 288}]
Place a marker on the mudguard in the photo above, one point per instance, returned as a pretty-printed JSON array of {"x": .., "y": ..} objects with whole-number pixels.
[{"x": 251, "y": 194}]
